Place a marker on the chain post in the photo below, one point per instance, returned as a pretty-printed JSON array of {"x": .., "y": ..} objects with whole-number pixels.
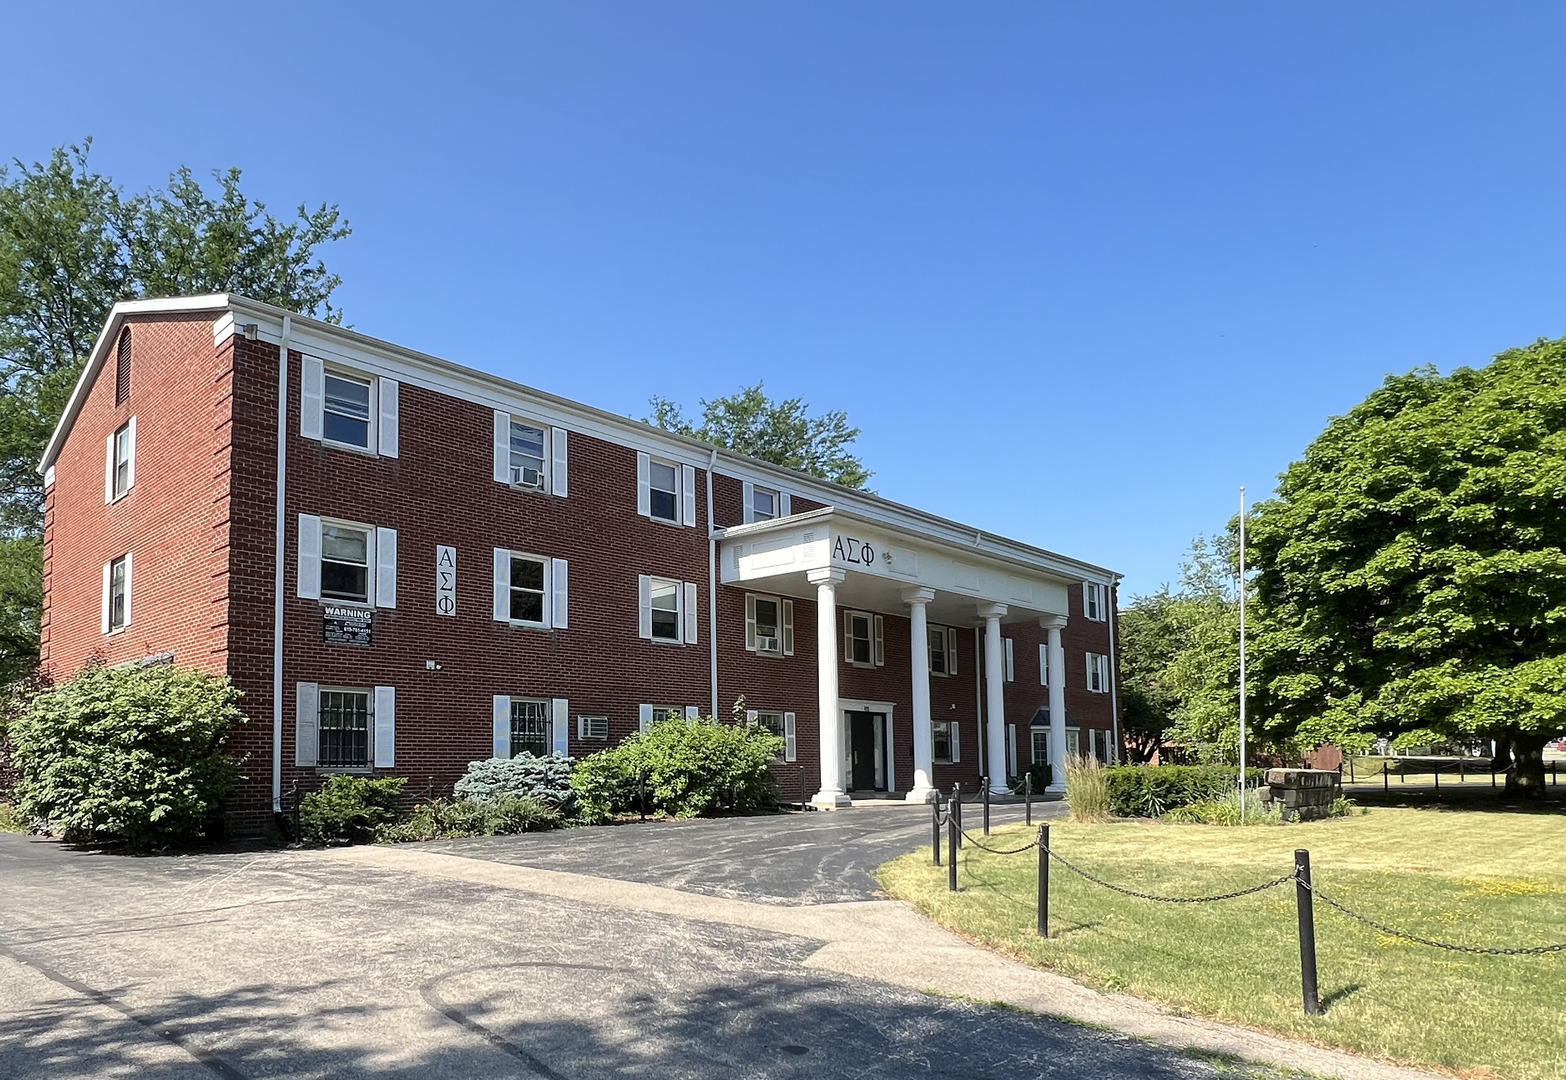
[
  {"x": 1386, "y": 779},
  {"x": 1027, "y": 797},
  {"x": 986, "y": 782},
  {"x": 953, "y": 838},
  {"x": 1436, "y": 772},
  {"x": 1044, "y": 879},
  {"x": 641, "y": 794},
  {"x": 957, "y": 812},
  {"x": 1307, "y": 918},
  {"x": 935, "y": 831}
]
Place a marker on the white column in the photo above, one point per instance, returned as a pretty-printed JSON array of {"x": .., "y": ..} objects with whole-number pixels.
[
  {"x": 923, "y": 789},
  {"x": 831, "y": 796},
  {"x": 995, "y": 697},
  {"x": 1057, "y": 702}
]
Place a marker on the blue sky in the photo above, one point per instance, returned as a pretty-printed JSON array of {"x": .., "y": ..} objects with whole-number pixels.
[{"x": 1077, "y": 271}]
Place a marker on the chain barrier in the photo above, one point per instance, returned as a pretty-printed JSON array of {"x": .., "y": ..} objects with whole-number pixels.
[
  {"x": 1537, "y": 950},
  {"x": 969, "y": 837},
  {"x": 1095, "y": 879}
]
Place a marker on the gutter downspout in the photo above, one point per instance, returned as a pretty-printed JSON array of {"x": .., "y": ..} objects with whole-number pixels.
[
  {"x": 277, "y": 586},
  {"x": 712, "y": 588},
  {"x": 1114, "y": 667}
]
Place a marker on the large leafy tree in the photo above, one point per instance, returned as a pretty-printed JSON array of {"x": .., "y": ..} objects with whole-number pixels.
[
  {"x": 1412, "y": 568},
  {"x": 782, "y": 432},
  {"x": 72, "y": 243}
]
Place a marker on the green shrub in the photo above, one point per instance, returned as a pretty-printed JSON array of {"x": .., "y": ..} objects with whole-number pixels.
[
  {"x": 1154, "y": 790},
  {"x": 547, "y": 779},
  {"x": 9, "y": 821},
  {"x": 1087, "y": 789},
  {"x": 349, "y": 809},
  {"x": 129, "y": 754},
  {"x": 1225, "y": 810},
  {"x": 1042, "y": 776},
  {"x": 445, "y": 819},
  {"x": 690, "y": 767}
]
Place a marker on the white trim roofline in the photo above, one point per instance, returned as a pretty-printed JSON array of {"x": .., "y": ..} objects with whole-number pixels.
[{"x": 495, "y": 390}]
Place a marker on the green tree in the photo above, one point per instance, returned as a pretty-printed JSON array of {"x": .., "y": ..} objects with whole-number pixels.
[
  {"x": 72, "y": 243},
  {"x": 1147, "y": 645},
  {"x": 1412, "y": 568},
  {"x": 782, "y": 432}
]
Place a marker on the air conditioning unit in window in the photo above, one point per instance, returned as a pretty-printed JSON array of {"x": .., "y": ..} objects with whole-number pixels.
[
  {"x": 528, "y": 477},
  {"x": 766, "y": 644}
]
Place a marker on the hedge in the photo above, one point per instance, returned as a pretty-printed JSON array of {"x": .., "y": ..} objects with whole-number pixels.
[{"x": 1153, "y": 790}]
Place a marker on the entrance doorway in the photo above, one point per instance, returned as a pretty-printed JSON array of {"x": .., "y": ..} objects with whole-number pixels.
[{"x": 867, "y": 751}]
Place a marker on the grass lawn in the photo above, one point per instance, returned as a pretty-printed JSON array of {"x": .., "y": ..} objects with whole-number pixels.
[{"x": 1481, "y": 878}]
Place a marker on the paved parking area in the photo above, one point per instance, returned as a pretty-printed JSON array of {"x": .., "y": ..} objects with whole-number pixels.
[
  {"x": 793, "y": 858},
  {"x": 305, "y": 964}
]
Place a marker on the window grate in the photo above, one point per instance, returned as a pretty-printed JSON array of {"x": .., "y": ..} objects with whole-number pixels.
[
  {"x": 344, "y": 729},
  {"x": 529, "y": 728}
]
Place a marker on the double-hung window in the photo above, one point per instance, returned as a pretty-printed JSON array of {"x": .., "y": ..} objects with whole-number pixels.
[
  {"x": 769, "y": 625},
  {"x": 345, "y": 410},
  {"x": 1040, "y": 746},
  {"x": 763, "y": 504},
  {"x": 863, "y": 636},
  {"x": 1098, "y": 673},
  {"x": 527, "y": 589},
  {"x": 116, "y": 594},
  {"x": 944, "y": 745},
  {"x": 528, "y": 454},
  {"x": 531, "y": 731},
  {"x": 345, "y": 563},
  {"x": 344, "y": 729},
  {"x": 122, "y": 461},
  {"x": 665, "y": 609},
  {"x": 1093, "y": 601},
  {"x": 531, "y": 590},
  {"x": 942, "y": 642},
  {"x": 663, "y": 491}
]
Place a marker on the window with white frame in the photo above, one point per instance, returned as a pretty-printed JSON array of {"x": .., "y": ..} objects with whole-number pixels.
[
  {"x": 117, "y": 595},
  {"x": 769, "y": 625},
  {"x": 772, "y": 721},
  {"x": 345, "y": 562},
  {"x": 663, "y": 491},
  {"x": 1093, "y": 601},
  {"x": 863, "y": 637},
  {"x": 943, "y": 649},
  {"x": 944, "y": 745},
  {"x": 529, "y": 452},
  {"x": 344, "y": 729},
  {"x": 665, "y": 609},
  {"x": 1041, "y": 746},
  {"x": 528, "y": 589},
  {"x": 122, "y": 460},
  {"x": 531, "y": 731},
  {"x": 1073, "y": 742},
  {"x": 345, "y": 409},
  {"x": 657, "y": 714},
  {"x": 763, "y": 504},
  {"x": 1098, "y": 673}
]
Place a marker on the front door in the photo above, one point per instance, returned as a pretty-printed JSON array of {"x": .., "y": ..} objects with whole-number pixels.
[{"x": 866, "y": 751}]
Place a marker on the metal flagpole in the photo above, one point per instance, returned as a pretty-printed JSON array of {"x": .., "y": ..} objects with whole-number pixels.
[{"x": 1242, "y": 655}]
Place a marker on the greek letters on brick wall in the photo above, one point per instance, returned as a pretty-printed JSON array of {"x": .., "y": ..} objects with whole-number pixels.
[{"x": 445, "y": 580}]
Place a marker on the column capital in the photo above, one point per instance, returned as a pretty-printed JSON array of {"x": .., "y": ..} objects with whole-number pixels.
[
  {"x": 1053, "y": 622},
  {"x": 991, "y": 611},
  {"x": 828, "y": 575},
  {"x": 918, "y": 595}
]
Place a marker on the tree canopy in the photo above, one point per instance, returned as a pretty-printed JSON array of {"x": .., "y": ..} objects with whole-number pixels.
[
  {"x": 1412, "y": 568},
  {"x": 72, "y": 243},
  {"x": 782, "y": 432}
]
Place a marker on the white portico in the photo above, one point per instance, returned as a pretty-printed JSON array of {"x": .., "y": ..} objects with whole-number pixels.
[{"x": 860, "y": 570}]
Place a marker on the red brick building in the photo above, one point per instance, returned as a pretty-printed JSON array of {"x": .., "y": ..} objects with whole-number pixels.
[{"x": 407, "y": 565}]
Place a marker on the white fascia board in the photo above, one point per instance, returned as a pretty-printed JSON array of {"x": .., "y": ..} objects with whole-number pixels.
[{"x": 100, "y": 350}]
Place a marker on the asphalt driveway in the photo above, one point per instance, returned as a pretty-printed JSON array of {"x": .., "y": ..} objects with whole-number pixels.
[{"x": 302, "y": 964}]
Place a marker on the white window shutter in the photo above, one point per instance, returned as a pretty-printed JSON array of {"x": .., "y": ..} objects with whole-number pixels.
[
  {"x": 385, "y": 727},
  {"x": 309, "y": 585},
  {"x": 503, "y": 455},
  {"x": 788, "y": 627},
  {"x": 848, "y": 638},
  {"x": 643, "y": 484},
  {"x": 790, "y": 748},
  {"x": 951, "y": 650},
  {"x": 560, "y": 480},
  {"x": 502, "y": 726},
  {"x": 108, "y": 584},
  {"x": 880, "y": 641},
  {"x": 643, "y": 606},
  {"x": 560, "y": 594},
  {"x": 750, "y": 622},
  {"x": 645, "y": 717},
  {"x": 130, "y": 455},
  {"x": 1044, "y": 664},
  {"x": 956, "y": 744},
  {"x": 785, "y": 505},
  {"x": 128, "y": 577},
  {"x": 1011, "y": 661},
  {"x": 312, "y": 396},
  {"x": 692, "y": 712},
  {"x": 502, "y": 586},
  {"x": 307, "y": 720},
  {"x": 692, "y": 613},
  {"x": 386, "y": 431},
  {"x": 690, "y": 493},
  {"x": 1090, "y": 670},
  {"x": 562, "y": 715},
  {"x": 108, "y": 470},
  {"x": 748, "y": 493},
  {"x": 386, "y": 568}
]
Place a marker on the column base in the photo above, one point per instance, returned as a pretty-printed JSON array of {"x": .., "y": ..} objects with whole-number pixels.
[
  {"x": 1058, "y": 788},
  {"x": 923, "y": 795},
  {"x": 999, "y": 789},
  {"x": 830, "y": 800}
]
